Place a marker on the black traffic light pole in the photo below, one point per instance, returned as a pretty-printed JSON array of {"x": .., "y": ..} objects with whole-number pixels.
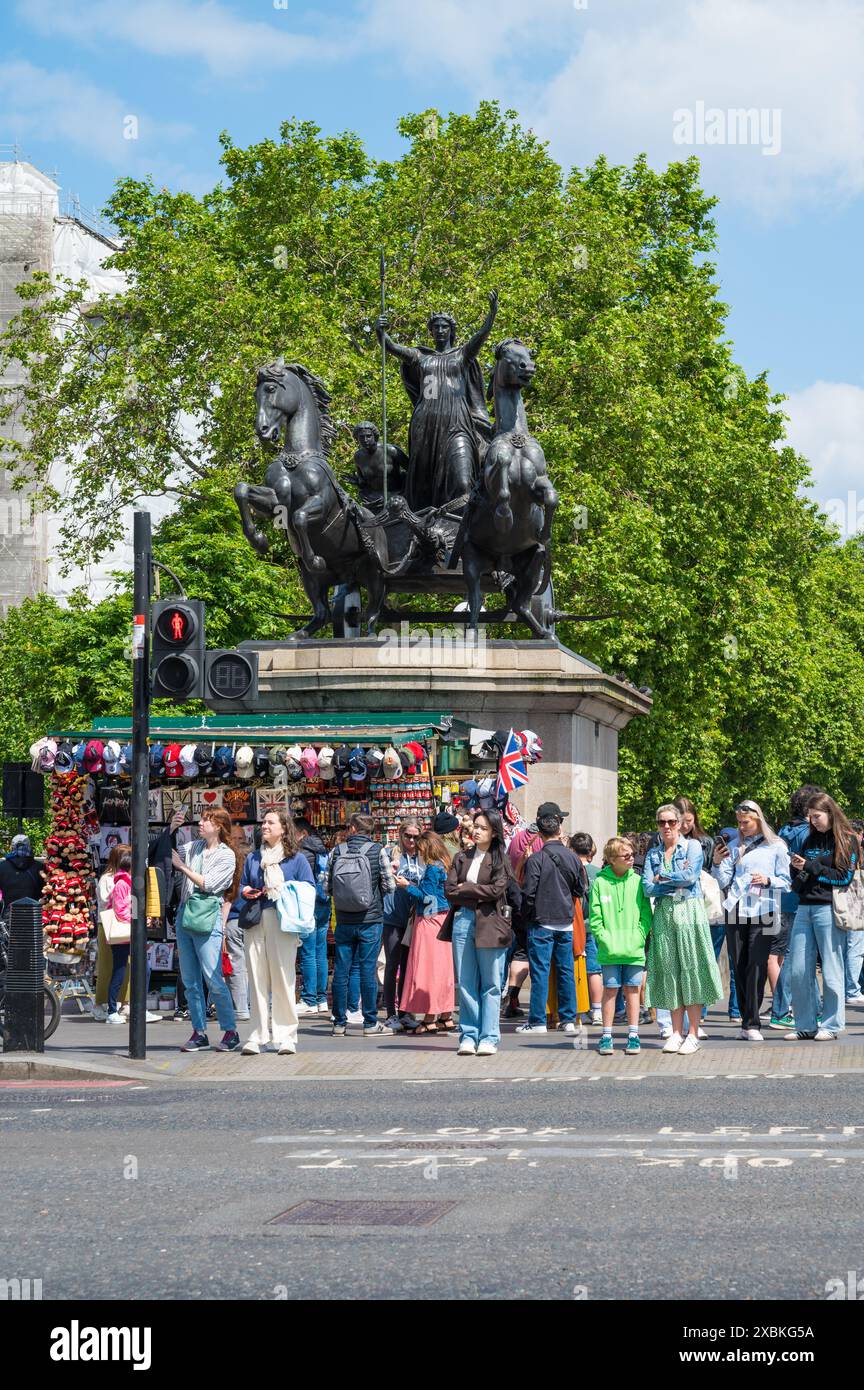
[{"x": 140, "y": 782}]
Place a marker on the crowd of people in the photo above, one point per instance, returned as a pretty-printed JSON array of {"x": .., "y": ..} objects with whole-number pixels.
[{"x": 443, "y": 929}]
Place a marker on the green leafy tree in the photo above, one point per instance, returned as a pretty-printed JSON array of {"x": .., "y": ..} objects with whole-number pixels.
[{"x": 681, "y": 524}]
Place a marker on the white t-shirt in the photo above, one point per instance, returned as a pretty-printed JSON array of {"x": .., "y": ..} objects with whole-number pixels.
[{"x": 474, "y": 867}]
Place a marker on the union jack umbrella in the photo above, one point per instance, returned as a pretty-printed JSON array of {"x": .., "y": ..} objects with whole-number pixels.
[{"x": 511, "y": 769}]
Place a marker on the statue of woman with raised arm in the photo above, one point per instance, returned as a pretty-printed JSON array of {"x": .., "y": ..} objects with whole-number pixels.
[{"x": 450, "y": 425}]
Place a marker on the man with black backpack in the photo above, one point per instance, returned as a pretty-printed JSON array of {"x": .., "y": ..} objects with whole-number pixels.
[
  {"x": 553, "y": 881},
  {"x": 358, "y": 875}
]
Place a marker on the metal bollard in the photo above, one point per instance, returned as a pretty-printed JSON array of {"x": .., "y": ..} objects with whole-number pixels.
[{"x": 25, "y": 1007}]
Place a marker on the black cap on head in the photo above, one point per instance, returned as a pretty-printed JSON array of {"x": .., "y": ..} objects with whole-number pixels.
[
  {"x": 444, "y": 823},
  {"x": 549, "y": 811}
]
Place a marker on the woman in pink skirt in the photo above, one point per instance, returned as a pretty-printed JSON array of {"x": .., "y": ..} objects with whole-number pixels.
[{"x": 429, "y": 989}]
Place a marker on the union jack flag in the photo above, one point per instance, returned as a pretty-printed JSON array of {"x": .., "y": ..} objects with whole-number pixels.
[{"x": 511, "y": 769}]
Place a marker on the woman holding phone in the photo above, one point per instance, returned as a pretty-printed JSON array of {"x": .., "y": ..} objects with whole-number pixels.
[
  {"x": 210, "y": 867},
  {"x": 825, "y": 861}
]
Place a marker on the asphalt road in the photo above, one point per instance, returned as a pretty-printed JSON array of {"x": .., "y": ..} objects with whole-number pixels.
[{"x": 679, "y": 1188}]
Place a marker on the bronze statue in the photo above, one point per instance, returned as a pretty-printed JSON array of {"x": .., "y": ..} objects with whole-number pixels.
[
  {"x": 335, "y": 540},
  {"x": 508, "y": 521},
  {"x": 369, "y": 466},
  {"x": 450, "y": 424},
  {"x": 476, "y": 516}
]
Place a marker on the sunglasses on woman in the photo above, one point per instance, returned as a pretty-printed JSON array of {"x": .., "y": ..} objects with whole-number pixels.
[{"x": 668, "y": 822}]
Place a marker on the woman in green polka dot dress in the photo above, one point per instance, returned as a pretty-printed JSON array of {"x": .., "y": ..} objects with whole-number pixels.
[{"x": 682, "y": 971}]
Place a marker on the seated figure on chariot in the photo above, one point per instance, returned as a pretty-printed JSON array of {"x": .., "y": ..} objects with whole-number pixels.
[{"x": 369, "y": 466}]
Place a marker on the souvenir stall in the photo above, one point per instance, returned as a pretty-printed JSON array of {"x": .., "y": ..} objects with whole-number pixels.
[{"x": 387, "y": 766}]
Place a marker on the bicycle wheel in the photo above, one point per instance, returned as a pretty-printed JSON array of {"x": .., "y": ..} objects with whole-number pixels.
[{"x": 52, "y": 1011}]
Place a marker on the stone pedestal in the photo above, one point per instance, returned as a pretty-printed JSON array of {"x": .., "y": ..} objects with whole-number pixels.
[{"x": 576, "y": 709}]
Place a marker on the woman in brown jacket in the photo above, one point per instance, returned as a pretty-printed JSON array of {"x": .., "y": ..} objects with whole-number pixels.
[{"x": 478, "y": 924}]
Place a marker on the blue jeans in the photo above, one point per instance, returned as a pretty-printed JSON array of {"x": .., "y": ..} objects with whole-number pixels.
[
  {"x": 812, "y": 930},
  {"x": 853, "y": 956},
  {"x": 479, "y": 977},
  {"x": 120, "y": 957},
  {"x": 312, "y": 958},
  {"x": 544, "y": 946},
  {"x": 357, "y": 945},
  {"x": 200, "y": 960},
  {"x": 718, "y": 938}
]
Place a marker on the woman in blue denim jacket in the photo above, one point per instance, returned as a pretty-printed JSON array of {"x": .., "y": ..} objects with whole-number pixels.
[
  {"x": 430, "y": 986},
  {"x": 682, "y": 971}
]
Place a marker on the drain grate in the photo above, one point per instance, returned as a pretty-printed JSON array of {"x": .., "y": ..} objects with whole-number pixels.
[{"x": 347, "y": 1213}]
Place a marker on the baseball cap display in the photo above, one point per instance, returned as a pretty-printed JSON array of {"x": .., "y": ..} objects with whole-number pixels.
[
  {"x": 277, "y": 755},
  {"x": 293, "y": 766},
  {"x": 43, "y": 753},
  {"x": 325, "y": 763},
  {"x": 223, "y": 761},
  {"x": 309, "y": 763},
  {"x": 244, "y": 761},
  {"x": 261, "y": 762},
  {"x": 357, "y": 764},
  {"x": 203, "y": 757},
  {"x": 157, "y": 752},
  {"x": 374, "y": 761},
  {"x": 111, "y": 757},
  {"x": 406, "y": 758},
  {"x": 392, "y": 765},
  {"x": 126, "y": 759},
  {"x": 171, "y": 758},
  {"x": 63, "y": 760},
  {"x": 187, "y": 760},
  {"x": 93, "y": 755}
]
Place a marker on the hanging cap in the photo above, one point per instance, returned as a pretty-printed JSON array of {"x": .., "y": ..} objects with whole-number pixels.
[
  {"x": 244, "y": 761},
  {"x": 171, "y": 758},
  {"x": 325, "y": 763},
  {"x": 309, "y": 763},
  {"x": 188, "y": 760},
  {"x": 223, "y": 761}
]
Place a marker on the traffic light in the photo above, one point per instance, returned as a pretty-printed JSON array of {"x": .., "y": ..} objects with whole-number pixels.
[
  {"x": 231, "y": 675},
  {"x": 178, "y": 649}
]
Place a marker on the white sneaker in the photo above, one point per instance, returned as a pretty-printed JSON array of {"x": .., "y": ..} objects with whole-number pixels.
[
  {"x": 99, "y": 1013},
  {"x": 116, "y": 1018},
  {"x": 567, "y": 1028},
  {"x": 287, "y": 1050},
  {"x": 466, "y": 1048},
  {"x": 153, "y": 1018},
  {"x": 355, "y": 1017},
  {"x": 690, "y": 1044},
  {"x": 301, "y": 1008},
  {"x": 486, "y": 1049},
  {"x": 752, "y": 1035},
  {"x": 597, "y": 1018},
  {"x": 324, "y": 1008},
  {"x": 532, "y": 1028},
  {"x": 823, "y": 1035},
  {"x": 674, "y": 1044},
  {"x": 250, "y": 1049},
  {"x": 666, "y": 1032},
  {"x": 702, "y": 1035}
]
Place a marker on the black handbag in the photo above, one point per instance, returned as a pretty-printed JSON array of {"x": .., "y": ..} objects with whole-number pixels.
[{"x": 250, "y": 913}]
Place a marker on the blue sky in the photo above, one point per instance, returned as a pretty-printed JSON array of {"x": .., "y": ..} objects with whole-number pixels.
[{"x": 591, "y": 76}]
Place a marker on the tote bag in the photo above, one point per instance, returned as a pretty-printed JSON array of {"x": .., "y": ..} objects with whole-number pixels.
[
  {"x": 117, "y": 932},
  {"x": 848, "y": 905}
]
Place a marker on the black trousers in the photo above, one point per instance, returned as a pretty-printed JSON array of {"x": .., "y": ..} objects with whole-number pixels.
[
  {"x": 749, "y": 945},
  {"x": 392, "y": 941}
]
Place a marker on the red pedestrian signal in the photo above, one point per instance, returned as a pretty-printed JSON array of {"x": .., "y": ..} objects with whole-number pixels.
[{"x": 177, "y": 662}]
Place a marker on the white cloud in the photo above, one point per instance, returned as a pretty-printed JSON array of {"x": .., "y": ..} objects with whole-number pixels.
[
  {"x": 226, "y": 43},
  {"x": 638, "y": 65},
  {"x": 826, "y": 424},
  {"x": 63, "y": 106}
]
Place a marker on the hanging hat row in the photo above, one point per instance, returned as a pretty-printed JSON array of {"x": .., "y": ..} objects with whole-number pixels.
[{"x": 283, "y": 764}]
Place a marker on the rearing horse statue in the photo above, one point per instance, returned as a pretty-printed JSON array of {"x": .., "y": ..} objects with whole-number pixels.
[
  {"x": 335, "y": 540},
  {"x": 509, "y": 518}
]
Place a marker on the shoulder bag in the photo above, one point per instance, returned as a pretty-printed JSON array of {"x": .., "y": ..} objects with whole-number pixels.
[
  {"x": 200, "y": 912},
  {"x": 847, "y": 905}
]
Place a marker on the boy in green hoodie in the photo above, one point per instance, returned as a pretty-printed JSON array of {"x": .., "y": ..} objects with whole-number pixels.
[{"x": 620, "y": 917}]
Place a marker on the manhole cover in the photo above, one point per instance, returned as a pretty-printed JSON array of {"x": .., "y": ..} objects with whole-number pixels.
[{"x": 347, "y": 1213}]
